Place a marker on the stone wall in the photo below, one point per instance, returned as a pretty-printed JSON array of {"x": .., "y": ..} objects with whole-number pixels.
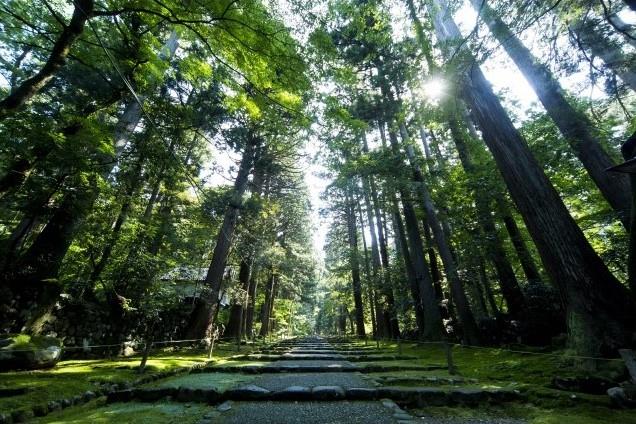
[{"x": 80, "y": 323}]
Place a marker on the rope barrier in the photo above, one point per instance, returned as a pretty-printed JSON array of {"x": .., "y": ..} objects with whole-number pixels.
[
  {"x": 525, "y": 352},
  {"x": 111, "y": 345},
  {"x": 87, "y": 347}
]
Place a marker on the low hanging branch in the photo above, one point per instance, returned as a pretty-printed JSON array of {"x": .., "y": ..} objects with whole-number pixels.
[{"x": 30, "y": 87}]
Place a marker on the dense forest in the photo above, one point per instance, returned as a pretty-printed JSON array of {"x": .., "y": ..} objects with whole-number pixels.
[{"x": 159, "y": 159}]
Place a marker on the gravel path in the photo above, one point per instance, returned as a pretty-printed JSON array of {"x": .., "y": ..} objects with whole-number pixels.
[
  {"x": 282, "y": 381},
  {"x": 312, "y": 363},
  {"x": 307, "y": 413}
]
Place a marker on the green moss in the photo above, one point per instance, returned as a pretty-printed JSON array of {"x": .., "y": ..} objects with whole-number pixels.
[
  {"x": 74, "y": 377},
  {"x": 530, "y": 373},
  {"x": 25, "y": 341},
  {"x": 155, "y": 413},
  {"x": 534, "y": 414},
  {"x": 220, "y": 381}
]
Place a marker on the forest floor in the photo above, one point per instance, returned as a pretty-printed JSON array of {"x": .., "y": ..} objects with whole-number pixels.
[{"x": 310, "y": 381}]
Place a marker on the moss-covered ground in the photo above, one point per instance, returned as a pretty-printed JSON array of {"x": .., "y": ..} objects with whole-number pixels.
[
  {"x": 133, "y": 412},
  {"x": 530, "y": 373},
  {"x": 76, "y": 376},
  {"x": 220, "y": 381}
]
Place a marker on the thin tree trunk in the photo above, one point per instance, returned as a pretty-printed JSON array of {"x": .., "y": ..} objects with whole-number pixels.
[
  {"x": 266, "y": 307},
  {"x": 251, "y": 304},
  {"x": 402, "y": 248},
  {"x": 467, "y": 320},
  {"x": 367, "y": 269},
  {"x": 485, "y": 282},
  {"x": 433, "y": 328},
  {"x": 600, "y": 312},
  {"x": 523, "y": 253},
  {"x": 496, "y": 253},
  {"x": 574, "y": 125},
  {"x": 379, "y": 277},
  {"x": 588, "y": 36},
  {"x": 354, "y": 263}
]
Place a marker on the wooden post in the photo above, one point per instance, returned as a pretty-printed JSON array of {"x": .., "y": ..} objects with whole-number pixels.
[
  {"x": 629, "y": 357},
  {"x": 377, "y": 343},
  {"x": 399, "y": 342},
  {"x": 214, "y": 335},
  {"x": 449, "y": 358}
]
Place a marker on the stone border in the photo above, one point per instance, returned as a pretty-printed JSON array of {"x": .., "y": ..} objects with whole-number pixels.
[
  {"x": 412, "y": 397},
  {"x": 291, "y": 356},
  {"x": 24, "y": 414},
  {"x": 275, "y": 369}
]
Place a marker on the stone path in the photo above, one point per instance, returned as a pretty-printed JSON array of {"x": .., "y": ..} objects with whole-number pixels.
[
  {"x": 303, "y": 354},
  {"x": 310, "y": 381}
]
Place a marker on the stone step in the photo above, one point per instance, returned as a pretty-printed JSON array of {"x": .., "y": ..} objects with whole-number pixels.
[
  {"x": 273, "y": 368},
  {"x": 425, "y": 380},
  {"x": 410, "y": 396},
  {"x": 321, "y": 357}
]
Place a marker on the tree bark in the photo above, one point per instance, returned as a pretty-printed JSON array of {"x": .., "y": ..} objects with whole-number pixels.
[
  {"x": 600, "y": 311},
  {"x": 470, "y": 331},
  {"x": 387, "y": 289},
  {"x": 510, "y": 288},
  {"x": 628, "y": 150},
  {"x": 267, "y": 306},
  {"x": 354, "y": 263},
  {"x": 30, "y": 87},
  {"x": 367, "y": 271},
  {"x": 402, "y": 248},
  {"x": 433, "y": 328},
  {"x": 216, "y": 270},
  {"x": 380, "y": 277},
  {"x": 251, "y": 304},
  {"x": 523, "y": 253},
  {"x": 235, "y": 321},
  {"x": 574, "y": 125}
]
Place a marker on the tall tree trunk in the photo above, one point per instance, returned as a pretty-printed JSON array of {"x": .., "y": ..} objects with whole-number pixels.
[
  {"x": 600, "y": 312},
  {"x": 433, "y": 328},
  {"x": 135, "y": 181},
  {"x": 234, "y": 324},
  {"x": 266, "y": 308},
  {"x": 224, "y": 237},
  {"x": 523, "y": 253},
  {"x": 383, "y": 319},
  {"x": 369, "y": 280},
  {"x": 402, "y": 248},
  {"x": 432, "y": 259},
  {"x": 370, "y": 188},
  {"x": 31, "y": 86},
  {"x": 251, "y": 304},
  {"x": 381, "y": 322},
  {"x": 485, "y": 282},
  {"x": 510, "y": 288},
  {"x": 467, "y": 320},
  {"x": 574, "y": 125},
  {"x": 354, "y": 263},
  {"x": 42, "y": 260}
]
